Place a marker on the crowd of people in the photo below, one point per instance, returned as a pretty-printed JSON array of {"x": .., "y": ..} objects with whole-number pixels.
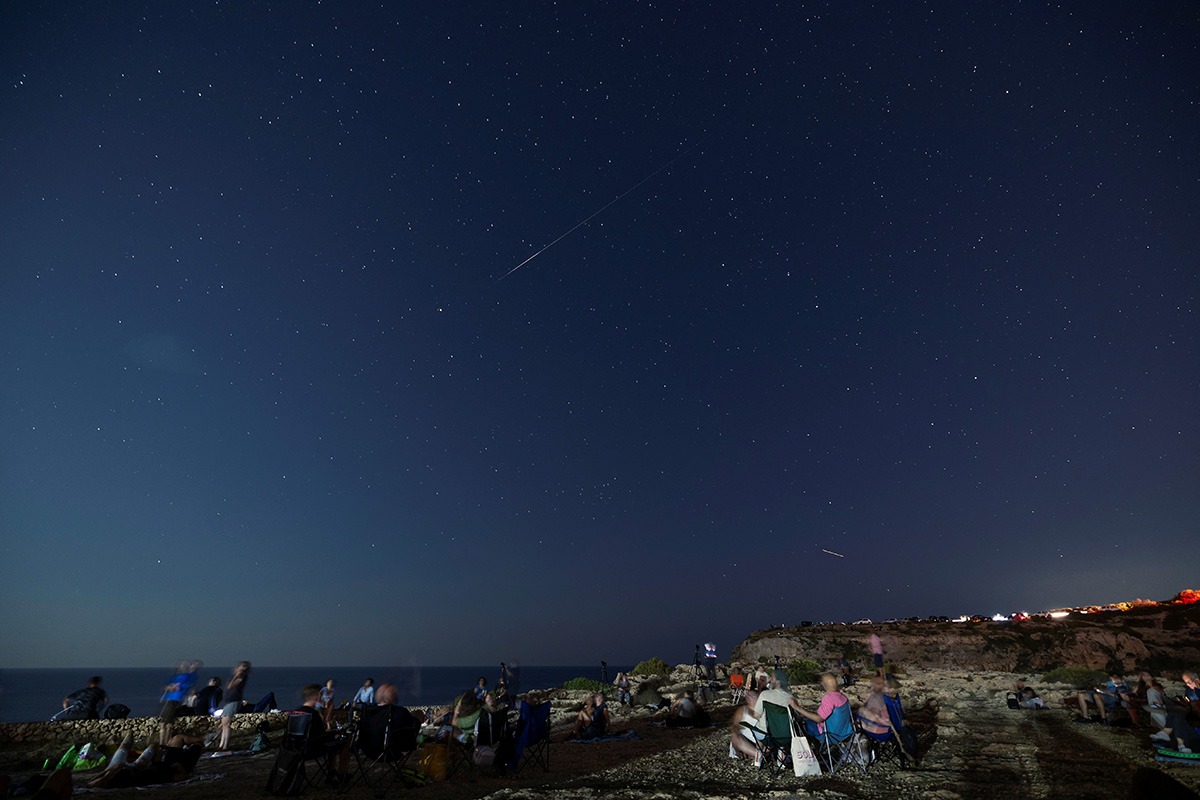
[
  {"x": 173, "y": 756},
  {"x": 1172, "y": 718}
]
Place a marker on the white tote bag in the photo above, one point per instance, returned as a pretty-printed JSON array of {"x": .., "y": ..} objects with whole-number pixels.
[{"x": 804, "y": 760}]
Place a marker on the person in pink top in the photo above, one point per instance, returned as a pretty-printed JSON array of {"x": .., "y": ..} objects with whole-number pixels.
[
  {"x": 877, "y": 652},
  {"x": 814, "y": 723}
]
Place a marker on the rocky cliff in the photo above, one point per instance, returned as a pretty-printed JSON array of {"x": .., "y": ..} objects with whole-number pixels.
[{"x": 1161, "y": 638}]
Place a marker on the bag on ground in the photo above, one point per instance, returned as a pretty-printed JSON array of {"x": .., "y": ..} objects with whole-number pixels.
[{"x": 804, "y": 760}]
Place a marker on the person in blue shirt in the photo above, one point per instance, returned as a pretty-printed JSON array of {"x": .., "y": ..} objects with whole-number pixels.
[
  {"x": 480, "y": 688},
  {"x": 177, "y": 690},
  {"x": 366, "y": 694},
  {"x": 1114, "y": 693}
]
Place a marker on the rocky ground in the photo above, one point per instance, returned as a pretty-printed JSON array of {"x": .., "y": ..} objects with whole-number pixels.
[{"x": 975, "y": 748}]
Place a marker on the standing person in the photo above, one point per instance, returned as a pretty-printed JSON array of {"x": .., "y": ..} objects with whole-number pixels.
[
  {"x": 325, "y": 703},
  {"x": 233, "y": 701},
  {"x": 366, "y": 694},
  {"x": 480, "y": 688},
  {"x": 604, "y": 672},
  {"x": 84, "y": 703},
  {"x": 175, "y": 693},
  {"x": 877, "y": 652},
  {"x": 710, "y": 660}
]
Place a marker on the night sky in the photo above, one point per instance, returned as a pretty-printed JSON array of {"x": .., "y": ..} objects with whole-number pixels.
[{"x": 915, "y": 284}]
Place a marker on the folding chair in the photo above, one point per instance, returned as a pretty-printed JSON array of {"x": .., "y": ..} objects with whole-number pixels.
[
  {"x": 906, "y": 740},
  {"x": 775, "y": 745},
  {"x": 383, "y": 739},
  {"x": 462, "y": 745},
  {"x": 838, "y": 744},
  {"x": 288, "y": 775},
  {"x": 737, "y": 685},
  {"x": 532, "y": 741},
  {"x": 884, "y": 747}
]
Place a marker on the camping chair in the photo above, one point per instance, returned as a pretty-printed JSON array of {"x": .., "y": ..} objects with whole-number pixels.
[
  {"x": 288, "y": 776},
  {"x": 838, "y": 744},
  {"x": 462, "y": 745},
  {"x": 737, "y": 685},
  {"x": 884, "y": 747},
  {"x": 775, "y": 746},
  {"x": 906, "y": 740},
  {"x": 380, "y": 741},
  {"x": 532, "y": 741}
]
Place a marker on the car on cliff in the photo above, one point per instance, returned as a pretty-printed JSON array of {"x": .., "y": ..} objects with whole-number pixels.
[
  {"x": 891, "y": 621},
  {"x": 863, "y": 621}
]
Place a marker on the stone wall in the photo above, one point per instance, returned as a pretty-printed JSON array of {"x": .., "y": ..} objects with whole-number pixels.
[{"x": 100, "y": 730}]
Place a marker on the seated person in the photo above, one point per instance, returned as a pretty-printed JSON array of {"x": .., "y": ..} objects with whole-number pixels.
[
  {"x": 208, "y": 699},
  {"x": 167, "y": 763},
  {"x": 1185, "y": 737},
  {"x": 1156, "y": 704},
  {"x": 874, "y": 714},
  {"x": 1112, "y": 695},
  {"x": 622, "y": 684},
  {"x": 814, "y": 722},
  {"x": 321, "y": 740},
  {"x": 1027, "y": 697},
  {"x": 687, "y": 713},
  {"x": 742, "y": 739},
  {"x": 593, "y": 720},
  {"x": 84, "y": 703},
  {"x": 480, "y": 688},
  {"x": 777, "y": 693},
  {"x": 762, "y": 681},
  {"x": 462, "y": 722},
  {"x": 365, "y": 696},
  {"x": 1190, "y": 699}
]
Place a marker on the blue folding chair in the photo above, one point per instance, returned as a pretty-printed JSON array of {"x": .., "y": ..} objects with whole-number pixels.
[
  {"x": 532, "y": 742},
  {"x": 906, "y": 740},
  {"x": 838, "y": 744}
]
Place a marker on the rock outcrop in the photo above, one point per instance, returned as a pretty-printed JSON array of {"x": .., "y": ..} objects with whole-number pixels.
[{"x": 1157, "y": 638}]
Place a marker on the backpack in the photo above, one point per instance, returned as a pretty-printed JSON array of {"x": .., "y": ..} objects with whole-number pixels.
[
  {"x": 260, "y": 744},
  {"x": 116, "y": 711}
]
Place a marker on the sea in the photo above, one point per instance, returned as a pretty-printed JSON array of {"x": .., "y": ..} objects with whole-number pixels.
[{"x": 31, "y": 695}]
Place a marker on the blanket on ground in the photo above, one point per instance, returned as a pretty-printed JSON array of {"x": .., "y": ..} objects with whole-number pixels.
[{"x": 610, "y": 737}]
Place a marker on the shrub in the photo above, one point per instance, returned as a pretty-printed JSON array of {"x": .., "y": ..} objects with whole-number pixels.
[
  {"x": 652, "y": 666},
  {"x": 586, "y": 684},
  {"x": 1079, "y": 677},
  {"x": 803, "y": 671}
]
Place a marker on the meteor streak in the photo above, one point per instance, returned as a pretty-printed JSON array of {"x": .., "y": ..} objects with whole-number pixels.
[
  {"x": 839, "y": 555},
  {"x": 606, "y": 206}
]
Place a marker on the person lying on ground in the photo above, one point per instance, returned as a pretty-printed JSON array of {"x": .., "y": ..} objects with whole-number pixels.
[
  {"x": 57, "y": 786},
  {"x": 84, "y": 703},
  {"x": 687, "y": 713},
  {"x": 814, "y": 722},
  {"x": 1104, "y": 698},
  {"x": 169, "y": 763}
]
